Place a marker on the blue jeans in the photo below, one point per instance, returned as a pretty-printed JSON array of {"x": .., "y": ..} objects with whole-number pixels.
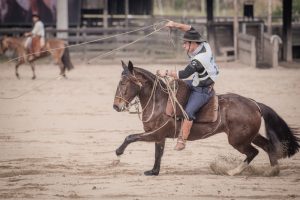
[{"x": 198, "y": 97}]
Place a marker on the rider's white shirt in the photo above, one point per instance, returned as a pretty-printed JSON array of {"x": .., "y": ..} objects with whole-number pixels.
[
  {"x": 208, "y": 62},
  {"x": 38, "y": 29}
]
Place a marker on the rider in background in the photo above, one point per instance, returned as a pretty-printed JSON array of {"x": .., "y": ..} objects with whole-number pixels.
[
  {"x": 37, "y": 31},
  {"x": 204, "y": 70}
]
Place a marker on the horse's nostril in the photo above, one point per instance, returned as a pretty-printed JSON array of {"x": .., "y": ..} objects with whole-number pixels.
[{"x": 116, "y": 108}]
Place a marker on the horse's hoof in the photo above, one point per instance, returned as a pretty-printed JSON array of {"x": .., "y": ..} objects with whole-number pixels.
[
  {"x": 33, "y": 78},
  {"x": 115, "y": 162},
  {"x": 18, "y": 77},
  {"x": 151, "y": 173},
  {"x": 273, "y": 171},
  {"x": 118, "y": 152},
  {"x": 62, "y": 76},
  {"x": 233, "y": 172}
]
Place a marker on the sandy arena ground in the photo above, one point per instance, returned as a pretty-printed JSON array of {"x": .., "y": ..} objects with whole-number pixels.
[{"x": 58, "y": 141}]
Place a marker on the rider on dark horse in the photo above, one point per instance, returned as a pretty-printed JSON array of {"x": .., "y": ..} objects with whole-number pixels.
[
  {"x": 204, "y": 70},
  {"x": 35, "y": 40}
]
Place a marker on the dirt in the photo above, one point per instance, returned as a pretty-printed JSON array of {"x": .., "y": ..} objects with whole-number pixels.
[{"x": 58, "y": 140}]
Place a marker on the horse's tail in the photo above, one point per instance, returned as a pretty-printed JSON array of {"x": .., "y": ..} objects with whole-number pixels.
[
  {"x": 284, "y": 141},
  {"x": 66, "y": 60}
]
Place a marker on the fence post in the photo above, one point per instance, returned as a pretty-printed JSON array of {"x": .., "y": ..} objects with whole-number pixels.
[
  {"x": 275, "y": 40},
  {"x": 253, "y": 52},
  {"x": 62, "y": 15}
]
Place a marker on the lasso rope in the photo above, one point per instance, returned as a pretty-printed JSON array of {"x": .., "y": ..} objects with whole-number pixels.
[
  {"x": 153, "y": 104},
  {"x": 126, "y": 45},
  {"x": 32, "y": 89},
  {"x": 97, "y": 57},
  {"x": 92, "y": 41},
  {"x": 173, "y": 98}
]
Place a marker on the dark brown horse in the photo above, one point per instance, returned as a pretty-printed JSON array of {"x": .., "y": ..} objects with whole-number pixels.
[
  {"x": 239, "y": 118},
  {"x": 55, "y": 47}
]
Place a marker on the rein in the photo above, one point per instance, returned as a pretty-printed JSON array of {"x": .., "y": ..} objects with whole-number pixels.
[{"x": 168, "y": 90}]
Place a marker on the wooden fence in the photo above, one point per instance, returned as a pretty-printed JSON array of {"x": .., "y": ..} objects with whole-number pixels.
[
  {"x": 99, "y": 41},
  {"x": 246, "y": 49}
]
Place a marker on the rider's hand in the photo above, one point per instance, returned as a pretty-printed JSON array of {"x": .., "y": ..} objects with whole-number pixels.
[
  {"x": 161, "y": 73},
  {"x": 170, "y": 24}
]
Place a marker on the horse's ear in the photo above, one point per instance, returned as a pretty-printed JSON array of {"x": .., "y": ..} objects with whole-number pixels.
[
  {"x": 123, "y": 65},
  {"x": 130, "y": 66}
]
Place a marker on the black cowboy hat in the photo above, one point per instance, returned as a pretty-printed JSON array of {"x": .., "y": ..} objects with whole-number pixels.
[{"x": 192, "y": 36}]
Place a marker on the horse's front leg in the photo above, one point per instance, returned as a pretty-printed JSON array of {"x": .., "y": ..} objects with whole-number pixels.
[
  {"x": 20, "y": 62},
  {"x": 134, "y": 138},
  {"x": 159, "y": 150}
]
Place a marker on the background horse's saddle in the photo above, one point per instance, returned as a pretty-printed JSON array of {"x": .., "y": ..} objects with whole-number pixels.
[
  {"x": 208, "y": 113},
  {"x": 36, "y": 46}
]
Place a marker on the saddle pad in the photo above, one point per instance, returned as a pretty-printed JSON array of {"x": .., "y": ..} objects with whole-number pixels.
[
  {"x": 208, "y": 113},
  {"x": 36, "y": 45}
]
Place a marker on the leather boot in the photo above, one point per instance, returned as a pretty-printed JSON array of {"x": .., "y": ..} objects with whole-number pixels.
[{"x": 185, "y": 132}]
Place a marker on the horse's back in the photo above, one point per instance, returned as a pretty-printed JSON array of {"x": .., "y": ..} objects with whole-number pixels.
[
  {"x": 239, "y": 111},
  {"x": 55, "y": 43}
]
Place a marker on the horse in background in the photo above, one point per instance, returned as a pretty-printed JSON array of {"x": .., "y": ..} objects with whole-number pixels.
[{"x": 54, "y": 47}]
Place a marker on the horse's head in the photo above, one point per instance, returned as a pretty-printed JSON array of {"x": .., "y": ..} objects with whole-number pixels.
[
  {"x": 128, "y": 88},
  {"x": 4, "y": 44}
]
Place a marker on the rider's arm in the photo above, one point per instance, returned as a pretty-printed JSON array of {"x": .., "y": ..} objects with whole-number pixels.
[
  {"x": 28, "y": 34},
  {"x": 194, "y": 66},
  {"x": 183, "y": 27}
]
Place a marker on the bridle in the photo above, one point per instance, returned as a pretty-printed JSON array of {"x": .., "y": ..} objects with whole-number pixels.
[
  {"x": 137, "y": 82},
  {"x": 136, "y": 102}
]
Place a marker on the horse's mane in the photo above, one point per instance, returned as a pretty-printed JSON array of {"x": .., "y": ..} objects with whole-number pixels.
[
  {"x": 18, "y": 39},
  {"x": 146, "y": 73},
  {"x": 15, "y": 40}
]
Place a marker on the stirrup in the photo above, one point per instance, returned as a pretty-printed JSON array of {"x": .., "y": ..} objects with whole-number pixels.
[{"x": 180, "y": 144}]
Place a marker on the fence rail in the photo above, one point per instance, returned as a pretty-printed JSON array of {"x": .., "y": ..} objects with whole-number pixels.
[{"x": 101, "y": 40}]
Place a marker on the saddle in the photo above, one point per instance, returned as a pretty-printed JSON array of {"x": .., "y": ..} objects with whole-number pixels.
[
  {"x": 208, "y": 113},
  {"x": 36, "y": 46}
]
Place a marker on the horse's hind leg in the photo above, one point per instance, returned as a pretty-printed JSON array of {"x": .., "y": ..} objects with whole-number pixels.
[
  {"x": 265, "y": 144},
  {"x": 159, "y": 150},
  {"x": 57, "y": 56},
  {"x": 268, "y": 147},
  {"x": 249, "y": 151},
  {"x": 62, "y": 69}
]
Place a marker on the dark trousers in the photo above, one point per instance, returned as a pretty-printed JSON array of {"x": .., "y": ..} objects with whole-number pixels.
[{"x": 198, "y": 97}]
